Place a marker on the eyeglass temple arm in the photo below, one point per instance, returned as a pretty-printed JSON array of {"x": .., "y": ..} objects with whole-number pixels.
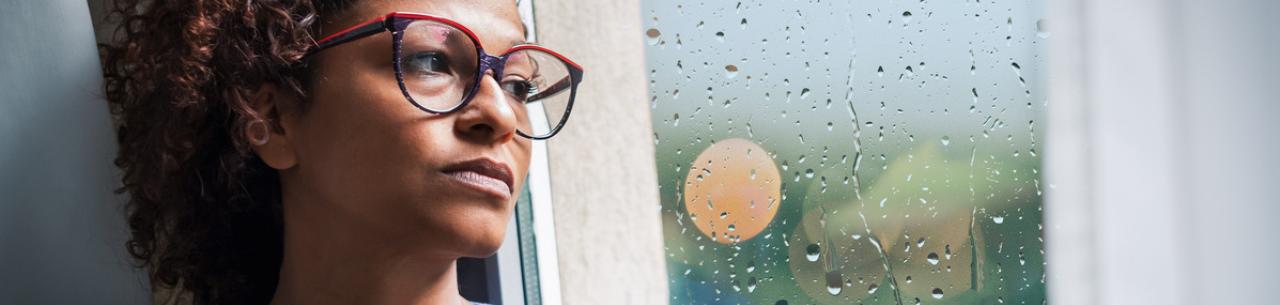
[{"x": 356, "y": 32}]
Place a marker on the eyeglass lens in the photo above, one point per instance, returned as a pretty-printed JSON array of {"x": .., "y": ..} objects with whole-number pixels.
[{"x": 438, "y": 66}]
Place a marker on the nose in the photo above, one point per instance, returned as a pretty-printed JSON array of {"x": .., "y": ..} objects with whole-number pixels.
[{"x": 489, "y": 117}]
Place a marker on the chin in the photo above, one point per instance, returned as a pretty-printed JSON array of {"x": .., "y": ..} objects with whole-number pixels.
[
  {"x": 477, "y": 233},
  {"x": 482, "y": 244}
]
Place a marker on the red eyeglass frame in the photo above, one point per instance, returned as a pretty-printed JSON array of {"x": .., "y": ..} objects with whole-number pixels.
[{"x": 397, "y": 22}]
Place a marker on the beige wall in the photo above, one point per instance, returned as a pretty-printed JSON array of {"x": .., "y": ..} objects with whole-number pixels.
[{"x": 604, "y": 182}]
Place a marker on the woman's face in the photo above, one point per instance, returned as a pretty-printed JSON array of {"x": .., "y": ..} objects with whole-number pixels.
[{"x": 376, "y": 166}]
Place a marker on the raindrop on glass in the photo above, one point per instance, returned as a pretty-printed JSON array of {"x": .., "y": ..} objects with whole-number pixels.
[
  {"x": 653, "y": 34},
  {"x": 835, "y": 283},
  {"x": 1042, "y": 29},
  {"x": 730, "y": 71},
  {"x": 812, "y": 251}
]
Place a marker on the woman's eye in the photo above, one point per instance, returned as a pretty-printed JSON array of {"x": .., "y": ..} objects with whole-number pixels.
[
  {"x": 426, "y": 63},
  {"x": 519, "y": 88}
]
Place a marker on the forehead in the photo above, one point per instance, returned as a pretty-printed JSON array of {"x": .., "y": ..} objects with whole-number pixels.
[{"x": 495, "y": 22}]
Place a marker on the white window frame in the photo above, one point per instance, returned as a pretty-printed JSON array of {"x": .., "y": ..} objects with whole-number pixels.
[{"x": 508, "y": 272}]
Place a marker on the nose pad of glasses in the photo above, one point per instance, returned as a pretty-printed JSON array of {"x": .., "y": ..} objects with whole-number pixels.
[{"x": 489, "y": 62}]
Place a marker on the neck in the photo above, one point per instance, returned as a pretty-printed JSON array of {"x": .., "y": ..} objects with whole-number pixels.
[{"x": 326, "y": 263}]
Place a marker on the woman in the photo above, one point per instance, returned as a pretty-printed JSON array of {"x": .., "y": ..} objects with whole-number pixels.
[{"x": 325, "y": 151}]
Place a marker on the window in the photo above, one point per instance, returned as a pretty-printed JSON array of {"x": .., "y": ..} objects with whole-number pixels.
[{"x": 849, "y": 152}]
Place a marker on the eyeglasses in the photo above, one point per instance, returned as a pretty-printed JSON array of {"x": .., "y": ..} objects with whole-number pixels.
[{"x": 439, "y": 65}]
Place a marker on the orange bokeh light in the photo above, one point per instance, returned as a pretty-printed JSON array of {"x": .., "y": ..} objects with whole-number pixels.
[{"x": 732, "y": 191}]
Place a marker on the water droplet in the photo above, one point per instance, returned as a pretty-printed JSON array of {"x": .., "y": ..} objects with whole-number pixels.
[
  {"x": 906, "y": 17},
  {"x": 872, "y": 289},
  {"x": 946, "y": 140},
  {"x": 653, "y": 35},
  {"x": 751, "y": 284},
  {"x": 1042, "y": 29},
  {"x": 720, "y": 36},
  {"x": 808, "y": 173},
  {"x": 937, "y": 293},
  {"x": 997, "y": 219},
  {"x": 804, "y": 93},
  {"x": 835, "y": 283},
  {"x": 812, "y": 251},
  {"x": 730, "y": 71},
  {"x": 880, "y": 71},
  {"x": 932, "y": 258}
]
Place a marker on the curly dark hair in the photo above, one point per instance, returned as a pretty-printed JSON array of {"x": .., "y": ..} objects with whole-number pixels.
[{"x": 204, "y": 214}]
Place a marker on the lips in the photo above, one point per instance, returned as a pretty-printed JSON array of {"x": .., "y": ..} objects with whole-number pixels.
[{"x": 484, "y": 175}]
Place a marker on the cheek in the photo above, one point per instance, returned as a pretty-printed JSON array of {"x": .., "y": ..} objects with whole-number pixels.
[
  {"x": 368, "y": 116},
  {"x": 364, "y": 144}
]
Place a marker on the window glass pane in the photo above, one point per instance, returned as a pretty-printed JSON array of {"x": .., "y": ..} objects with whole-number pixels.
[{"x": 849, "y": 152}]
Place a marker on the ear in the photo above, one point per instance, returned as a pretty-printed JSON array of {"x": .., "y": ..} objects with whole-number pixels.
[{"x": 277, "y": 151}]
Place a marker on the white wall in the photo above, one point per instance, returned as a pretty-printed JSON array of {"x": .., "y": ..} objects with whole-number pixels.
[
  {"x": 1162, "y": 154},
  {"x": 62, "y": 230}
]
